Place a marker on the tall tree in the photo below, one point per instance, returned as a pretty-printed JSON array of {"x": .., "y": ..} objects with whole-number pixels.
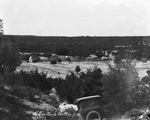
[
  {"x": 9, "y": 56},
  {"x": 120, "y": 88},
  {"x": 1, "y": 27}
]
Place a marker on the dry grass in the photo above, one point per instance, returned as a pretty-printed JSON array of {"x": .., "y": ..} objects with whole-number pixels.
[{"x": 64, "y": 68}]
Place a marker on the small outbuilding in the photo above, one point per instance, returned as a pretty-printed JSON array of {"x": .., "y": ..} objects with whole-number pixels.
[
  {"x": 54, "y": 59},
  {"x": 34, "y": 58},
  {"x": 91, "y": 57}
]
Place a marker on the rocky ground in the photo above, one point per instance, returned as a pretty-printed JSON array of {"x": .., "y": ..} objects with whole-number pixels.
[{"x": 38, "y": 107}]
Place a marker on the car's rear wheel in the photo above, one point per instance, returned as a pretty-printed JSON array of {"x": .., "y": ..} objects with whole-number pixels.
[{"x": 93, "y": 115}]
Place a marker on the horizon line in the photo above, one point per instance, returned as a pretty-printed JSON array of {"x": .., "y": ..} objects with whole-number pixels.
[{"x": 78, "y": 35}]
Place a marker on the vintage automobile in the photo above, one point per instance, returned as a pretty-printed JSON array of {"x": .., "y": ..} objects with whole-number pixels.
[{"x": 90, "y": 108}]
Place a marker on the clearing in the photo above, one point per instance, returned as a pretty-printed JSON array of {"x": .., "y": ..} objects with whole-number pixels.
[{"x": 64, "y": 68}]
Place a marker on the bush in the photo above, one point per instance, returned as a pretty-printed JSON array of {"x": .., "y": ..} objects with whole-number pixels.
[
  {"x": 119, "y": 88},
  {"x": 84, "y": 84},
  {"x": 77, "y": 69},
  {"x": 26, "y": 57},
  {"x": 117, "y": 59},
  {"x": 9, "y": 58},
  {"x": 26, "y": 92},
  {"x": 142, "y": 94},
  {"x": 36, "y": 80},
  {"x": 73, "y": 87},
  {"x": 53, "y": 62}
]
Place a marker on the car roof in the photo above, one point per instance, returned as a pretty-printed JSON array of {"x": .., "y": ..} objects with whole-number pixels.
[{"x": 85, "y": 98}]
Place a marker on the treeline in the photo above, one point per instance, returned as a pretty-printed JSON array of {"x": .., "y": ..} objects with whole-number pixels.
[{"x": 76, "y": 46}]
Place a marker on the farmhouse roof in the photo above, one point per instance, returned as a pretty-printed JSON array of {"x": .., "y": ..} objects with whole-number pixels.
[
  {"x": 93, "y": 56},
  {"x": 54, "y": 57}
]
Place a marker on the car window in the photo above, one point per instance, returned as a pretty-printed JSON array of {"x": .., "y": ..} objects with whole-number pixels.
[{"x": 87, "y": 103}]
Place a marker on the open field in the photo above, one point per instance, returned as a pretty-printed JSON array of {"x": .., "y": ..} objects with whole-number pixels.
[{"x": 64, "y": 68}]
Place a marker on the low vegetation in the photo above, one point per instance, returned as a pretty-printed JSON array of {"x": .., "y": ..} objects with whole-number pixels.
[{"x": 120, "y": 89}]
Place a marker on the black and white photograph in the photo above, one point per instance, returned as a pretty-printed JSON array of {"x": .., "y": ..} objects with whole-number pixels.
[{"x": 74, "y": 59}]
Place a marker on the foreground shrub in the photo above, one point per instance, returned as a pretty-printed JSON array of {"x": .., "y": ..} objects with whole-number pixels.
[
  {"x": 119, "y": 88},
  {"x": 9, "y": 57},
  {"x": 26, "y": 92},
  {"x": 36, "y": 80},
  {"x": 71, "y": 88},
  {"x": 84, "y": 84},
  {"x": 26, "y": 57},
  {"x": 138, "y": 114}
]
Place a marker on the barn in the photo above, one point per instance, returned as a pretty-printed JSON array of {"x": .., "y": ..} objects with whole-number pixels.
[{"x": 54, "y": 59}]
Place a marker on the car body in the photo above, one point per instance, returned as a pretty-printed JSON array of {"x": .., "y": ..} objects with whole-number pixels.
[{"x": 90, "y": 105}]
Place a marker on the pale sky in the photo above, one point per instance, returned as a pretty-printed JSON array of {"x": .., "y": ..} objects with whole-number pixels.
[{"x": 76, "y": 17}]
